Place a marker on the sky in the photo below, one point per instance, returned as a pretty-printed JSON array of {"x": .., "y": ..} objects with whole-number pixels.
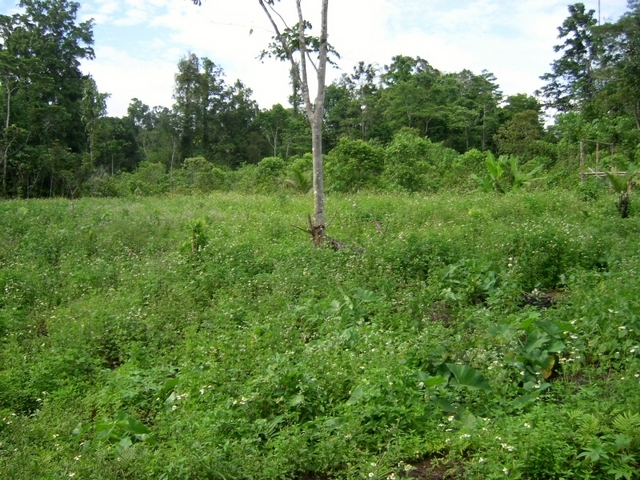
[{"x": 138, "y": 43}]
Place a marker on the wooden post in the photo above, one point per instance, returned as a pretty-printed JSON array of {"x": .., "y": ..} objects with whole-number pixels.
[{"x": 583, "y": 177}]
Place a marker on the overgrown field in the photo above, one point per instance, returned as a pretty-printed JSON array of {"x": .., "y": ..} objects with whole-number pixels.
[{"x": 478, "y": 336}]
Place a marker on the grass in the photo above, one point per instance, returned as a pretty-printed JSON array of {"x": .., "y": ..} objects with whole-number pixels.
[{"x": 204, "y": 337}]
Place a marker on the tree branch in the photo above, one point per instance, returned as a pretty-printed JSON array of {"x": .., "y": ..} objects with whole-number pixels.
[
  {"x": 303, "y": 62},
  {"x": 285, "y": 46}
]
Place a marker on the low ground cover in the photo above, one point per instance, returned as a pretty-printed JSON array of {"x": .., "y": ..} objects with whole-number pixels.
[{"x": 476, "y": 336}]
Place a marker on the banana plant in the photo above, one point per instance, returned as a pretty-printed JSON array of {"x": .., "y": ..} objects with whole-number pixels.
[
  {"x": 504, "y": 174},
  {"x": 621, "y": 183},
  {"x": 518, "y": 177},
  {"x": 496, "y": 179}
]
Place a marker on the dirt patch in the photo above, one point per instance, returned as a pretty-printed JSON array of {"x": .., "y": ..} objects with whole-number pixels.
[
  {"x": 441, "y": 313},
  {"x": 434, "y": 469},
  {"x": 541, "y": 300},
  {"x": 312, "y": 476}
]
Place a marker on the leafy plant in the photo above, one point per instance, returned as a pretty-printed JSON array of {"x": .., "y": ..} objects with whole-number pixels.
[
  {"x": 621, "y": 183},
  {"x": 300, "y": 181},
  {"x": 468, "y": 281},
  {"x": 504, "y": 174},
  {"x": 351, "y": 309},
  {"x": 199, "y": 237},
  {"x": 121, "y": 432},
  {"x": 535, "y": 356}
]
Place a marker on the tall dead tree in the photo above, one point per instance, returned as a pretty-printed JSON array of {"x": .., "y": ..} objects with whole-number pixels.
[{"x": 314, "y": 110}]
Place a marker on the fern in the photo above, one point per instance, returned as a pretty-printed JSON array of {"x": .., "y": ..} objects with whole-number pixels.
[
  {"x": 575, "y": 415},
  {"x": 589, "y": 425},
  {"x": 626, "y": 422},
  {"x": 299, "y": 180}
]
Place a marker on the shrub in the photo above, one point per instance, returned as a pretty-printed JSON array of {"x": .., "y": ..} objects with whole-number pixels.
[
  {"x": 406, "y": 161},
  {"x": 199, "y": 173},
  {"x": 263, "y": 177},
  {"x": 353, "y": 165},
  {"x": 270, "y": 167},
  {"x": 149, "y": 179}
]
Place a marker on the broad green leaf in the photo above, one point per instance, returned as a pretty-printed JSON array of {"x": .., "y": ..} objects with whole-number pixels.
[
  {"x": 170, "y": 384},
  {"x": 334, "y": 423},
  {"x": 170, "y": 399},
  {"x": 535, "y": 339},
  {"x": 296, "y": 400},
  {"x": 468, "y": 377},
  {"x": 547, "y": 366},
  {"x": 356, "y": 396},
  {"x": 124, "y": 443},
  {"x": 523, "y": 400},
  {"x": 367, "y": 296},
  {"x": 549, "y": 327},
  {"x": 443, "y": 404},
  {"x": 556, "y": 347},
  {"x": 334, "y": 307},
  {"x": 148, "y": 438},
  {"x": 136, "y": 426},
  {"x": 530, "y": 320},
  {"x": 434, "y": 381}
]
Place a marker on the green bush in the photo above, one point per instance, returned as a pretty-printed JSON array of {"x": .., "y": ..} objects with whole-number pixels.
[
  {"x": 270, "y": 167},
  {"x": 353, "y": 165},
  {"x": 407, "y": 162},
  {"x": 200, "y": 174},
  {"x": 416, "y": 256},
  {"x": 149, "y": 179}
]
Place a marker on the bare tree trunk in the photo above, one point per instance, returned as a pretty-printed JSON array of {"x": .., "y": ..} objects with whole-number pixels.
[
  {"x": 273, "y": 141},
  {"x": 4, "y": 165},
  {"x": 484, "y": 127},
  {"x": 316, "y": 128},
  {"x": 174, "y": 146},
  {"x": 6, "y": 150}
]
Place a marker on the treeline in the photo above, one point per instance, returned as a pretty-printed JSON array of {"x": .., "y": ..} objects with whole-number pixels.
[{"x": 405, "y": 125}]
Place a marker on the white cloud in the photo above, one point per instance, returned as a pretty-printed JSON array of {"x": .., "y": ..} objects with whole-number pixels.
[
  {"x": 134, "y": 16},
  {"x": 126, "y": 77}
]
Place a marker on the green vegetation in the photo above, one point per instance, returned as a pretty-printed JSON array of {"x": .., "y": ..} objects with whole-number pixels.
[
  {"x": 399, "y": 126},
  {"x": 477, "y": 317},
  {"x": 488, "y": 335}
]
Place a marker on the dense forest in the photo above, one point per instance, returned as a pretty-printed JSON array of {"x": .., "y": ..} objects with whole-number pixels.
[{"x": 402, "y": 126}]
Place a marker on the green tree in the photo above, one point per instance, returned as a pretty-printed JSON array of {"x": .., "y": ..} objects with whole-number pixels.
[
  {"x": 572, "y": 83},
  {"x": 93, "y": 106},
  {"x": 214, "y": 118},
  {"x": 353, "y": 107},
  {"x": 621, "y": 65},
  {"x": 278, "y": 126},
  {"x": 407, "y": 161},
  {"x": 408, "y": 98},
  {"x": 518, "y": 136},
  {"x": 43, "y": 89}
]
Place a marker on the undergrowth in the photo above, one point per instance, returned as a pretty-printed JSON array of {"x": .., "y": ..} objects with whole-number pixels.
[{"x": 481, "y": 336}]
